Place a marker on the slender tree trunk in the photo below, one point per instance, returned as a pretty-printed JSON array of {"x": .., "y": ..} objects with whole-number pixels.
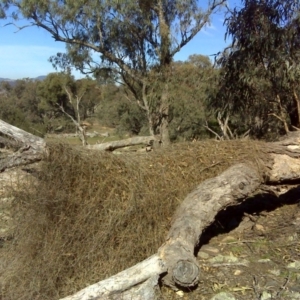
[
  {"x": 80, "y": 130},
  {"x": 151, "y": 123},
  {"x": 282, "y": 117},
  {"x": 297, "y": 100},
  {"x": 164, "y": 115},
  {"x": 146, "y": 108},
  {"x": 165, "y": 61}
]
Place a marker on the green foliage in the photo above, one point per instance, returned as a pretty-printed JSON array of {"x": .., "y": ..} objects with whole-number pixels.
[
  {"x": 19, "y": 105},
  {"x": 52, "y": 94},
  {"x": 189, "y": 85},
  {"x": 12, "y": 114},
  {"x": 91, "y": 95},
  {"x": 117, "y": 111},
  {"x": 61, "y": 96},
  {"x": 35, "y": 106},
  {"x": 260, "y": 72}
]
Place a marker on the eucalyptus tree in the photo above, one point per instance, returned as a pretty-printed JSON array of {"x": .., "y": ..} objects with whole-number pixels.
[
  {"x": 260, "y": 71},
  {"x": 127, "y": 39}
]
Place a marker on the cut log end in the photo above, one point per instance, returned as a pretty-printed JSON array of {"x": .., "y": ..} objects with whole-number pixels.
[{"x": 186, "y": 273}]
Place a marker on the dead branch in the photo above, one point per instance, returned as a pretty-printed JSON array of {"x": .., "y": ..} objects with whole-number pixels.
[
  {"x": 212, "y": 131},
  {"x": 121, "y": 282},
  {"x": 32, "y": 148}
]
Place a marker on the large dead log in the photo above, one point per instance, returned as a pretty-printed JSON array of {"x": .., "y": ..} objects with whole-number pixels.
[
  {"x": 196, "y": 213},
  {"x": 200, "y": 207}
]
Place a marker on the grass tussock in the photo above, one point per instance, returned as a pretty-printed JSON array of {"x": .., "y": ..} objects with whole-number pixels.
[{"x": 91, "y": 215}]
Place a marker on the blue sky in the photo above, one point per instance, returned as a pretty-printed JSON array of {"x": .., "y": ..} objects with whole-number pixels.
[{"x": 25, "y": 53}]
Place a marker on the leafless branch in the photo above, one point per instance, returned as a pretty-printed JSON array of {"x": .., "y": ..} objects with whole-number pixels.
[{"x": 209, "y": 129}]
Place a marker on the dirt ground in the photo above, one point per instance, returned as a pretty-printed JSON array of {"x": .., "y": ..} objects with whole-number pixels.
[{"x": 251, "y": 251}]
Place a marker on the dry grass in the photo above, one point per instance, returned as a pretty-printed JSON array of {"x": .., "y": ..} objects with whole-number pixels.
[{"x": 93, "y": 214}]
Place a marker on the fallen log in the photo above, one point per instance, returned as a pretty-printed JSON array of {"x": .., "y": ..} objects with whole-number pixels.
[
  {"x": 111, "y": 146},
  {"x": 175, "y": 263},
  {"x": 176, "y": 257},
  {"x": 196, "y": 213},
  {"x": 200, "y": 207},
  {"x": 32, "y": 148}
]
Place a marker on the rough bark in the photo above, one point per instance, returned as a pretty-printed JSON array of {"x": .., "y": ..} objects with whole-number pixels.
[
  {"x": 196, "y": 213},
  {"x": 6, "y": 142},
  {"x": 200, "y": 207}
]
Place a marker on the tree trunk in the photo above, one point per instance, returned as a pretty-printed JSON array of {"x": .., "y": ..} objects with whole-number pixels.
[
  {"x": 147, "y": 109},
  {"x": 175, "y": 262},
  {"x": 297, "y": 100},
  {"x": 164, "y": 117},
  {"x": 283, "y": 116},
  {"x": 196, "y": 213}
]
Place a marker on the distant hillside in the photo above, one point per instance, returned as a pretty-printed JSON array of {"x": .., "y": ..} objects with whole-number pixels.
[
  {"x": 5, "y": 79},
  {"x": 13, "y": 81},
  {"x": 42, "y": 77}
]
